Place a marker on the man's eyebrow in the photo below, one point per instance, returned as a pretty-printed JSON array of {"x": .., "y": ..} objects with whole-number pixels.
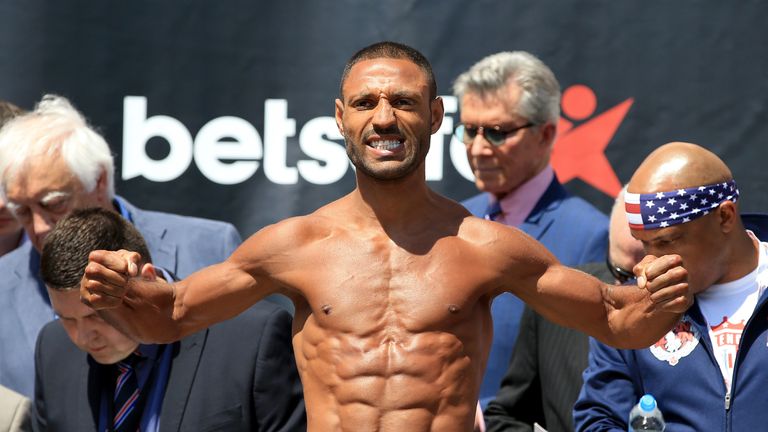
[
  {"x": 397, "y": 94},
  {"x": 667, "y": 237},
  {"x": 360, "y": 95},
  {"x": 53, "y": 195},
  {"x": 406, "y": 94}
]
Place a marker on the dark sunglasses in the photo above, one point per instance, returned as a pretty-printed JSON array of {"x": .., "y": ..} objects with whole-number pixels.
[
  {"x": 495, "y": 135},
  {"x": 618, "y": 273}
]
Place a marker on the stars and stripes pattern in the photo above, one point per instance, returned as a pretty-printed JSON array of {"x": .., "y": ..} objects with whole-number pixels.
[{"x": 663, "y": 209}]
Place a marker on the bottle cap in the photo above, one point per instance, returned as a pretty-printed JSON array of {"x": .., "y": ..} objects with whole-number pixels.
[{"x": 647, "y": 403}]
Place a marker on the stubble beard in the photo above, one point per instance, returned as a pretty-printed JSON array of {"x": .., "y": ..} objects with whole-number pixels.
[{"x": 414, "y": 157}]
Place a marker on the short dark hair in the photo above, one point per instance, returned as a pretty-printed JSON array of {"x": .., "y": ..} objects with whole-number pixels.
[
  {"x": 67, "y": 246},
  {"x": 391, "y": 50},
  {"x": 8, "y": 111}
]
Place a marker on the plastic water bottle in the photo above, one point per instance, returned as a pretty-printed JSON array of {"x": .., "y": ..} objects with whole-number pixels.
[{"x": 645, "y": 416}]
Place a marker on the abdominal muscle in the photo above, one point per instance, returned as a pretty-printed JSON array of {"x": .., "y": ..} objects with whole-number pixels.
[{"x": 388, "y": 379}]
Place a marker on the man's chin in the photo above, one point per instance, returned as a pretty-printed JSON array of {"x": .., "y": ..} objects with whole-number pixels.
[
  {"x": 105, "y": 358},
  {"x": 492, "y": 188}
]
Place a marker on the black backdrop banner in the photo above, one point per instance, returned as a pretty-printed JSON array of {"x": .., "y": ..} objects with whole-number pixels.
[{"x": 225, "y": 109}]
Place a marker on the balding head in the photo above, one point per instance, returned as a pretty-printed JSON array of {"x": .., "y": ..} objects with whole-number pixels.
[
  {"x": 682, "y": 200},
  {"x": 678, "y": 165}
]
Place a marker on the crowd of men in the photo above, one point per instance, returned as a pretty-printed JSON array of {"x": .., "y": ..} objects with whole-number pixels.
[{"x": 410, "y": 311}]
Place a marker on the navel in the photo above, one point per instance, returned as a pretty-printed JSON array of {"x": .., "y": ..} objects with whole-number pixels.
[
  {"x": 326, "y": 308},
  {"x": 452, "y": 308}
]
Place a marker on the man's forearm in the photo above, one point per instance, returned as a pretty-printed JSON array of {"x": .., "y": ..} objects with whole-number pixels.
[
  {"x": 146, "y": 313},
  {"x": 635, "y": 321}
]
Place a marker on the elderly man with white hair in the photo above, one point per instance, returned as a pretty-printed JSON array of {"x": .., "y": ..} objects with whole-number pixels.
[{"x": 52, "y": 162}]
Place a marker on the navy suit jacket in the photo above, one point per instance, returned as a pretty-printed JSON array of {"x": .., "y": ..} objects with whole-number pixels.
[
  {"x": 238, "y": 375},
  {"x": 180, "y": 244},
  {"x": 573, "y": 230}
]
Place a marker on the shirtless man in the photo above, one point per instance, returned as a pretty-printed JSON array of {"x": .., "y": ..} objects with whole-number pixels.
[{"x": 392, "y": 283}]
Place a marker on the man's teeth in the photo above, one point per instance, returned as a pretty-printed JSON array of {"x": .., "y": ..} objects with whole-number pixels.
[{"x": 385, "y": 145}]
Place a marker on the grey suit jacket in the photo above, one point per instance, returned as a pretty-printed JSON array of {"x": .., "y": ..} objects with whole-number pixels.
[
  {"x": 238, "y": 375},
  {"x": 14, "y": 411},
  {"x": 178, "y": 243}
]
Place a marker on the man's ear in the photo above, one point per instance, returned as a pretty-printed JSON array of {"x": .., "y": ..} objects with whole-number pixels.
[
  {"x": 101, "y": 187},
  {"x": 339, "y": 115},
  {"x": 728, "y": 215},
  {"x": 548, "y": 134},
  {"x": 438, "y": 111},
  {"x": 148, "y": 272}
]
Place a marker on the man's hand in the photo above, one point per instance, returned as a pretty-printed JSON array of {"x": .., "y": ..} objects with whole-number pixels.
[
  {"x": 106, "y": 277},
  {"x": 666, "y": 280}
]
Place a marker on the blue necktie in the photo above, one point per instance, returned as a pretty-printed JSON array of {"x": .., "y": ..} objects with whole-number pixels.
[
  {"x": 127, "y": 417},
  {"x": 493, "y": 211}
]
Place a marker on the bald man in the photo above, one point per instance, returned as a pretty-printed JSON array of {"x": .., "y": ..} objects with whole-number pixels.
[
  {"x": 392, "y": 283},
  {"x": 709, "y": 372}
]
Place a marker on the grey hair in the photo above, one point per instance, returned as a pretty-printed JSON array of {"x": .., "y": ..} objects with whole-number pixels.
[
  {"x": 540, "y": 99},
  {"x": 55, "y": 127}
]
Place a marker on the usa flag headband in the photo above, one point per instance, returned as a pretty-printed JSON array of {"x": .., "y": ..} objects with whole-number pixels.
[{"x": 663, "y": 209}]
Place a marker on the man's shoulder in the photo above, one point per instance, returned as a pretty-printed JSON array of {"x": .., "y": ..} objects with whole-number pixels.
[
  {"x": 20, "y": 255},
  {"x": 291, "y": 232},
  {"x": 17, "y": 262},
  {"x": 52, "y": 331},
  {"x": 476, "y": 204},
  {"x": 579, "y": 207},
  {"x": 54, "y": 344},
  {"x": 9, "y": 398},
  {"x": 480, "y": 232}
]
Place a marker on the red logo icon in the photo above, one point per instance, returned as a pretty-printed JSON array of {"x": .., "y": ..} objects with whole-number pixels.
[{"x": 579, "y": 149}]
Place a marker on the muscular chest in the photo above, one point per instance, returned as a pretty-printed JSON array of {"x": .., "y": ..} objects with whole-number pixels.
[{"x": 362, "y": 285}]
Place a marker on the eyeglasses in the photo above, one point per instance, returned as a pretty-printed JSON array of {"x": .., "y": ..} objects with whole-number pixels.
[
  {"x": 495, "y": 135},
  {"x": 620, "y": 274}
]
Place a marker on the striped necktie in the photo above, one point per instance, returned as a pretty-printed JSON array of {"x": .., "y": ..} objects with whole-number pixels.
[
  {"x": 127, "y": 406},
  {"x": 493, "y": 211}
]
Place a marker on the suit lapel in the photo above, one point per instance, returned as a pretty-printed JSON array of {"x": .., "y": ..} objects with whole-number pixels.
[
  {"x": 163, "y": 251},
  {"x": 186, "y": 359},
  {"x": 92, "y": 376},
  {"x": 541, "y": 218}
]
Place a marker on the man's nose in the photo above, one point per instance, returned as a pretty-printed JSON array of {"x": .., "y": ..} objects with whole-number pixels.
[
  {"x": 84, "y": 333},
  {"x": 384, "y": 117},
  {"x": 480, "y": 146},
  {"x": 41, "y": 223}
]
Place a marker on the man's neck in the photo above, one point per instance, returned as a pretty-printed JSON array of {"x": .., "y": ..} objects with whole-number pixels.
[
  {"x": 518, "y": 203},
  {"x": 743, "y": 259},
  {"x": 394, "y": 202}
]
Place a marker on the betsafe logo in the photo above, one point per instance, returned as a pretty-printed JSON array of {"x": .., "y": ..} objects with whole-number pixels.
[{"x": 229, "y": 150}]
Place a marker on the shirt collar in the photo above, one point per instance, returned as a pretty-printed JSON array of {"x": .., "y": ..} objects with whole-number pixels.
[{"x": 518, "y": 204}]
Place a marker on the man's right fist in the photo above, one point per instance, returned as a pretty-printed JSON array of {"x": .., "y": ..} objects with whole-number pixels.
[{"x": 106, "y": 277}]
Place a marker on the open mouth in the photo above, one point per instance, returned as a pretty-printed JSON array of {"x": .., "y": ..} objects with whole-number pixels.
[{"x": 386, "y": 146}]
